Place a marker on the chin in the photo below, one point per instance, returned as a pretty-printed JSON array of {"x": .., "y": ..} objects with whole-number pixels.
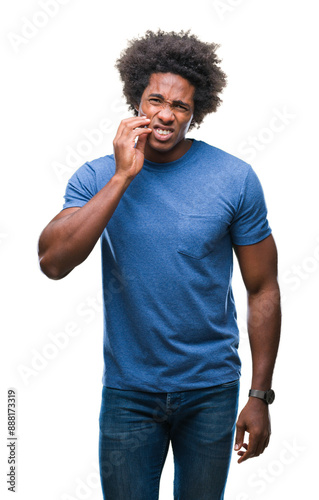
[
  {"x": 165, "y": 145},
  {"x": 158, "y": 146}
]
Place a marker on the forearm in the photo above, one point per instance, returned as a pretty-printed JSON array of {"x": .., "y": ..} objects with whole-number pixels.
[
  {"x": 264, "y": 321},
  {"x": 67, "y": 241}
]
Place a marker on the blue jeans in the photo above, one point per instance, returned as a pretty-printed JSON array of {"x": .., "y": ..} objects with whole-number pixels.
[{"x": 135, "y": 431}]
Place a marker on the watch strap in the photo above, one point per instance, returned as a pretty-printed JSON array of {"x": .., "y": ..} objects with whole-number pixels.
[
  {"x": 267, "y": 396},
  {"x": 257, "y": 394}
]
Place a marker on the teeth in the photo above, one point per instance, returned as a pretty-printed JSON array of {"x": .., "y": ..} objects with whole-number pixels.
[{"x": 163, "y": 132}]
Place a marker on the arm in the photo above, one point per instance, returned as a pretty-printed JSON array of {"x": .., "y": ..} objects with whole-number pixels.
[
  {"x": 258, "y": 265},
  {"x": 71, "y": 236}
]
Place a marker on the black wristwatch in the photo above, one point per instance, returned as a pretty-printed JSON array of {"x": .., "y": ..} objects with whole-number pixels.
[{"x": 267, "y": 396}]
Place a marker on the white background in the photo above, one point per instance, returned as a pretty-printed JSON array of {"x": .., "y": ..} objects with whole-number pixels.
[{"x": 58, "y": 84}]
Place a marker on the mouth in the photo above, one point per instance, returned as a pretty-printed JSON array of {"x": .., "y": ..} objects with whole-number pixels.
[{"x": 162, "y": 133}]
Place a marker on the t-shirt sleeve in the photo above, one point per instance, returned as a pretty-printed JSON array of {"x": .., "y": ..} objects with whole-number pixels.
[
  {"x": 81, "y": 187},
  {"x": 250, "y": 224}
]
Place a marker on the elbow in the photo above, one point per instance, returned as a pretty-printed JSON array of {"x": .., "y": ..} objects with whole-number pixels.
[
  {"x": 271, "y": 289},
  {"x": 268, "y": 286},
  {"x": 49, "y": 261},
  {"x": 50, "y": 269}
]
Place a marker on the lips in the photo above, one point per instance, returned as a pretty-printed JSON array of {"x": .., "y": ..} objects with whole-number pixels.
[{"x": 162, "y": 133}]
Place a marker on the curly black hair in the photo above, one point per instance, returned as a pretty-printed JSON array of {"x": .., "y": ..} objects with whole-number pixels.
[{"x": 179, "y": 53}]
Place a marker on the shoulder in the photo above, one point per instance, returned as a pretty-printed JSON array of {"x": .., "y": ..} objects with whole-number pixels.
[
  {"x": 100, "y": 169},
  {"x": 223, "y": 162},
  {"x": 225, "y": 159},
  {"x": 102, "y": 165}
]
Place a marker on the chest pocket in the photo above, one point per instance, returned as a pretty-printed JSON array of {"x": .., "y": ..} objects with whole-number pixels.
[{"x": 199, "y": 234}]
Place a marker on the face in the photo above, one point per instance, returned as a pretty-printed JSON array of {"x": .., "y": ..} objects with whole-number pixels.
[{"x": 168, "y": 101}]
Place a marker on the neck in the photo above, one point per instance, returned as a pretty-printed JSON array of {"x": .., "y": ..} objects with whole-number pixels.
[{"x": 168, "y": 156}]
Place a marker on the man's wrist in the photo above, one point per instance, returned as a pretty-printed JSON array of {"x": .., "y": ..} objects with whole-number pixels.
[
  {"x": 123, "y": 179},
  {"x": 267, "y": 396}
]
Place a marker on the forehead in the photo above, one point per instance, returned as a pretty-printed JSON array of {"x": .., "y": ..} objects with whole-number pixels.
[{"x": 171, "y": 86}]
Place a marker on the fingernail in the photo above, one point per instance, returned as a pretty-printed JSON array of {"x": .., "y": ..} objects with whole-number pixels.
[{"x": 236, "y": 446}]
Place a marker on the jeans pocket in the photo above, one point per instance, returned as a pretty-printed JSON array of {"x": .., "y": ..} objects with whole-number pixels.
[{"x": 233, "y": 383}]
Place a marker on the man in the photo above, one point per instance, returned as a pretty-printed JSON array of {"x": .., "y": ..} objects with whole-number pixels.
[{"x": 169, "y": 210}]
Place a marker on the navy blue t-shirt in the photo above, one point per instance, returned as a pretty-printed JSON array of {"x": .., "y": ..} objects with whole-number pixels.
[{"x": 167, "y": 261}]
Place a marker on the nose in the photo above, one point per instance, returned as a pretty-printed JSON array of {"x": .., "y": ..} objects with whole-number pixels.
[{"x": 166, "y": 113}]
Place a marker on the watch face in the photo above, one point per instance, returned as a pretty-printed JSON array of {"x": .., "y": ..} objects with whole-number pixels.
[{"x": 270, "y": 396}]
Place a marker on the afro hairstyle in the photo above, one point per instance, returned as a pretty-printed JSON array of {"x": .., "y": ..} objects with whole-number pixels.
[{"x": 179, "y": 53}]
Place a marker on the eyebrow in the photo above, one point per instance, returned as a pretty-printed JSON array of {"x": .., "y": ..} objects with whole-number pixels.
[{"x": 177, "y": 101}]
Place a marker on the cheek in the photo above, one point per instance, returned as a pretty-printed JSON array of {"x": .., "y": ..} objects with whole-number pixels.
[
  {"x": 185, "y": 126},
  {"x": 146, "y": 111},
  {"x": 140, "y": 111},
  {"x": 189, "y": 121}
]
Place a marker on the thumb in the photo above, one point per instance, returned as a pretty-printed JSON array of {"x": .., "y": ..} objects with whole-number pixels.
[{"x": 239, "y": 440}]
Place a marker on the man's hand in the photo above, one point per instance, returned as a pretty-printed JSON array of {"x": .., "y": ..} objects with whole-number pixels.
[
  {"x": 129, "y": 158},
  {"x": 255, "y": 420}
]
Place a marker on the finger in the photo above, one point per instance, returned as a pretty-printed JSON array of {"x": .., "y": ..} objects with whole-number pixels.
[
  {"x": 140, "y": 145},
  {"x": 131, "y": 135},
  {"x": 251, "y": 449},
  {"x": 241, "y": 452},
  {"x": 132, "y": 123},
  {"x": 135, "y": 119},
  {"x": 239, "y": 439},
  {"x": 256, "y": 447},
  {"x": 264, "y": 444},
  {"x": 129, "y": 124},
  {"x": 129, "y": 138},
  {"x": 244, "y": 446},
  {"x": 140, "y": 133}
]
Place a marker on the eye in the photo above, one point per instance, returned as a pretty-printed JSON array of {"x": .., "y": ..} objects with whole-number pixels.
[
  {"x": 179, "y": 106},
  {"x": 155, "y": 100}
]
